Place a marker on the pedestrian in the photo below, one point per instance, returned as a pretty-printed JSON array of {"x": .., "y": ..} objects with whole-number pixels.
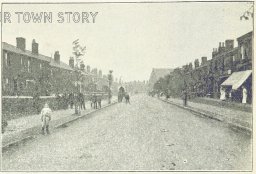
[
  {"x": 46, "y": 118},
  {"x": 99, "y": 98},
  {"x": 94, "y": 100},
  {"x": 222, "y": 94},
  {"x": 244, "y": 93},
  {"x": 71, "y": 100},
  {"x": 230, "y": 95},
  {"x": 127, "y": 98},
  {"x": 91, "y": 99},
  {"x": 185, "y": 97},
  {"x": 81, "y": 100}
]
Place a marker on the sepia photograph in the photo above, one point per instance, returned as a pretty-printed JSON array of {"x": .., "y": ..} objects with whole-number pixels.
[{"x": 152, "y": 86}]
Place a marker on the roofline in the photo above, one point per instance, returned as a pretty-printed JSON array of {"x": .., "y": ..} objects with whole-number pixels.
[
  {"x": 245, "y": 35},
  {"x": 26, "y": 51}
]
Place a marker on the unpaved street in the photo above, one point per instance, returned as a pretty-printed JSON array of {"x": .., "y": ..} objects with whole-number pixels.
[{"x": 146, "y": 135}]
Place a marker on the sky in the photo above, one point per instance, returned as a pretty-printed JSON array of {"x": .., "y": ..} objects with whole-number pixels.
[{"x": 132, "y": 38}]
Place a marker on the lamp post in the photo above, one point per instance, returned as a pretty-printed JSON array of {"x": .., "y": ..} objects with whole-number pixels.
[{"x": 110, "y": 80}]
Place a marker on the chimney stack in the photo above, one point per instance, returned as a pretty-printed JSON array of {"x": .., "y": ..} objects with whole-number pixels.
[
  {"x": 229, "y": 44},
  {"x": 71, "y": 62},
  {"x": 21, "y": 43},
  {"x": 203, "y": 60},
  {"x": 196, "y": 63},
  {"x": 34, "y": 47},
  {"x": 190, "y": 66},
  {"x": 57, "y": 56},
  {"x": 88, "y": 69}
]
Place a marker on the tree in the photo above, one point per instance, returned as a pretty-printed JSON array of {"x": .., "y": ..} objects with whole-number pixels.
[
  {"x": 248, "y": 14},
  {"x": 78, "y": 52}
]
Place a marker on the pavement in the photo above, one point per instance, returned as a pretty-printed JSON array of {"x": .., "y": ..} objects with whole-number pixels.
[
  {"x": 28, "y": 127},
  {"x": 240, "y": 120},
  {"x": 146, "y": 135}
]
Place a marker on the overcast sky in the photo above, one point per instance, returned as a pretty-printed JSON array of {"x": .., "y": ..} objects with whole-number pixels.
[{"x": 131, "y": 39}]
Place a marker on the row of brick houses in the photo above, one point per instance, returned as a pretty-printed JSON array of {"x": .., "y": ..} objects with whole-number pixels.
[
  {"x": 206, "y": 79},
  {"x": 24, "y": 72}
]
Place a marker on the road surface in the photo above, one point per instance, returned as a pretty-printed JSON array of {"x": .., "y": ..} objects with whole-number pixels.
[{"x": 148, "y": 134}]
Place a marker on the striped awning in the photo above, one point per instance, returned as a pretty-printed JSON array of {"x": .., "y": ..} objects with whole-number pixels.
[{"x": 237, "y": 79}]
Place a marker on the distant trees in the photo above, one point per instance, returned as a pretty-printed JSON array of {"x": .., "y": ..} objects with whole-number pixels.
[{"x": 171, "y": 85}]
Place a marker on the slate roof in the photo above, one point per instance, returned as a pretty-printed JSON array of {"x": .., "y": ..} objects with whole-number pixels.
[
  {"x": 53, "y": 63},
  {"x": 60, "y": 65},
  {"x": 14, "y": 49}
]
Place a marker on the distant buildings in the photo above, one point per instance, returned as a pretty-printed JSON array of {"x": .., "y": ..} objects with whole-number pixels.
[
  {"x": 156, "y": 74},
  {"x": 206, "y": 79},
  {"x": 24, "y": 72}
]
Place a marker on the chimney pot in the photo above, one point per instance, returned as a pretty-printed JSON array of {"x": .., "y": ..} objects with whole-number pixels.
[
  {"x": 203, "y": 60},
  {"x": 34, "y": 47},
  {"x": 21, "y": 43},
  {"x": 71, "y": 62},
  {"x": 57, "y": 56}
]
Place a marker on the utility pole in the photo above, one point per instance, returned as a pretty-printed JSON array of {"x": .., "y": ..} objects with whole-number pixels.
[{"x": 110, "y": 80}]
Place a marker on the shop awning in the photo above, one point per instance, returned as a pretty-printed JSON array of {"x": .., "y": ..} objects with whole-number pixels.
[{"x": 237, "y": 79}]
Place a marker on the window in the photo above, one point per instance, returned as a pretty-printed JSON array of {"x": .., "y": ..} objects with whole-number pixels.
[
  {"x": 40, "y": 65},
  {"x": 7, "y": 59},
  {"x": 28, "y": 65},
  {"x": 6, "y": 83},
  {"x": 21, "y": 60},
  {"x": 233, "y": 58}
]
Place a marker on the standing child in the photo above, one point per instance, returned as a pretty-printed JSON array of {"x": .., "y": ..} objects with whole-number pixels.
[{"x": 46, "y": 118}]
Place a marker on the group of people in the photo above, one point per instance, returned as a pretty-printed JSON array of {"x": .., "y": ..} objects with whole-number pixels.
[
  {"x": 46, "y": 112},
  {"x": 233, "y": 95},
  {"x": 79, "y": 99},
  {"x": 126, "y": 96},
  {"x": 96, "y": 101}
]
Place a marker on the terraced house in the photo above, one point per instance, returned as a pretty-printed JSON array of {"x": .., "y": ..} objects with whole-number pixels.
[
  {"x": 230, "y": 68},
  {"x": 207, "y": 79},
  {"x": 24, "y": 72}
]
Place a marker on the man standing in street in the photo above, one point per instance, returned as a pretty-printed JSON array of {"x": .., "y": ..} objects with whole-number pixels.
[
  {"x": 127, "y": 98},
  {"x": 81, "y": 100},
  {"x": 185, "y": 97}
]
